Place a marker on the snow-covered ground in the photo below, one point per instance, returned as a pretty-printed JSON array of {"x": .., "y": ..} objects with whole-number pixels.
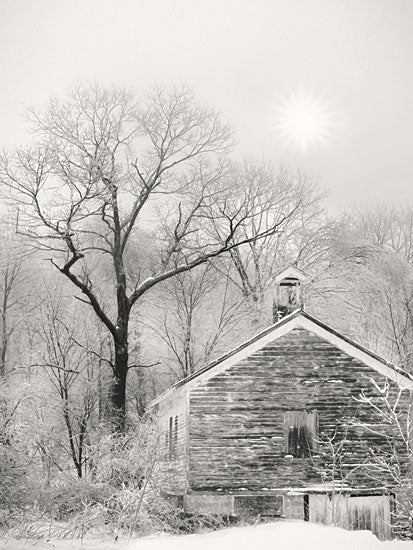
[{"x": 286, "y": 535}]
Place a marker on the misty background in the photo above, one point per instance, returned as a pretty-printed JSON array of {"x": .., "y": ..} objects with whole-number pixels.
[{"x": 243, "y": 58}]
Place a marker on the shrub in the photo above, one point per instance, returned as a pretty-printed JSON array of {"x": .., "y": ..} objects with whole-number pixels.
[{"x": 63, "y": 500}]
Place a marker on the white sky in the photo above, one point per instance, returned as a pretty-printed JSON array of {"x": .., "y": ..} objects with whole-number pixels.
[{"x": 243, "y": 57}]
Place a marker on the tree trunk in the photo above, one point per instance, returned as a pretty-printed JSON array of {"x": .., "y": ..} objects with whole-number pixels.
[
  {"x": 118, "y": 387},
  {"x": 120, "y": 368},
  {"x": 4, "y": 336}
]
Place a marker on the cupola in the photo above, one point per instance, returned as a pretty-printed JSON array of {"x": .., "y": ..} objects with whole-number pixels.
[{"x": 288, "y": 291}]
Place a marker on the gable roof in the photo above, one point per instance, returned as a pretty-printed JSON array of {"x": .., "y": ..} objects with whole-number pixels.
[
  {"x": 297, "y": 319},
  {"x": 291, "y": 271}
]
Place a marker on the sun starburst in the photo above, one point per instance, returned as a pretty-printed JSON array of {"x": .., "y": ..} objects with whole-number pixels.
[{"x": 304, "y": 120}]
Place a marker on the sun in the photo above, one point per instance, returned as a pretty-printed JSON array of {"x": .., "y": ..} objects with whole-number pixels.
[{"x": 304, "y": 120}]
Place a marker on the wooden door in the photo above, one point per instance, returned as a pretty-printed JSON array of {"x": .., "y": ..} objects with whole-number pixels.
[
  {"x": 370, "y": 513},
  {"x": 355, "y": 513}
]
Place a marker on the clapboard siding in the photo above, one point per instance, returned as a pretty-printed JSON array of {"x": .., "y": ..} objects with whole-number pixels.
[
  {"x": 236, "y": 418},
  {"x": 173, "y": 465}
]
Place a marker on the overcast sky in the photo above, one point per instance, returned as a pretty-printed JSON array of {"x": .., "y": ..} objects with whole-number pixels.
[{"x": 245, "y": 58}]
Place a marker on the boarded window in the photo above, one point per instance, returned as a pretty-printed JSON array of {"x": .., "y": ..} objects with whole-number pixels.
[
  {"x": 172, "y": 437},
  {"x": 170, "y": 440},
  {"x": 300, "y": 433},
  {"x": 176, "y": 434}
]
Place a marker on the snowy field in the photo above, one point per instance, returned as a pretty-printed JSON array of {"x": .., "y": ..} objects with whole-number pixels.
[{"x": 272, "y": 536}]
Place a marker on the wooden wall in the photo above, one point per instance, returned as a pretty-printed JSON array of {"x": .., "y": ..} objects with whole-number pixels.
[
  {"x": 236, "y": 419},
  {"x": 173, "y": 459}
]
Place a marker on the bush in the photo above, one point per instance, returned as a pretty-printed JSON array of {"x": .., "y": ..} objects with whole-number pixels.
[
  {"x": 15, "y": 486},
  {"x": 64, "y": 500},
  {"x": 122, "y": 495}
]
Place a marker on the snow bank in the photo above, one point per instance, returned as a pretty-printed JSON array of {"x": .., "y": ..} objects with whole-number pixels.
[{"x": 283, "y": 535}]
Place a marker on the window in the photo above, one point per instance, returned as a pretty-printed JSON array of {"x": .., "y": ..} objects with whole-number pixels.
[
  {"x": 175, "y": 434},
  {"x": 171, "y": 437},
  {"x": 300, "y": 433},
  {"x": 170, "y": 440}
]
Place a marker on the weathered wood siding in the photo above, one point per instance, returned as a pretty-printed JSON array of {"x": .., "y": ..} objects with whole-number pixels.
[
  {"x": 173, "y": 455},
  {"x": 236, "y": 418}
]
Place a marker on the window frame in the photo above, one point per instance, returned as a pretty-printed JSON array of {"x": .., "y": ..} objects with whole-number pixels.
[{"x": 301, "y": 425}]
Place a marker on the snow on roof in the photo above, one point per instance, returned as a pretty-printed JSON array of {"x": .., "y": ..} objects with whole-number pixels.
[
  {"x": 297, "y": 319},
  {"x": 291, "y": 271}
]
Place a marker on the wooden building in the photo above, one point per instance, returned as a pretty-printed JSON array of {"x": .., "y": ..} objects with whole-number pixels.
[{"x": 275, "y": 428}]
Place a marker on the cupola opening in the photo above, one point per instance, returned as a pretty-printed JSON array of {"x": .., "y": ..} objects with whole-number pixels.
[{"x": 288, "y": 291}]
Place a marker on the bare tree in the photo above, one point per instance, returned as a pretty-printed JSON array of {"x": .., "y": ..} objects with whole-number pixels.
[
  {"x": 299, "y": 240},
  {"x": 71, "y": 368},
  {"x": 104, "y": 166},
  {"x": 13, "y": 462},
  {"x": 366, "y": 289},
  {"x": 200, "y": 310},
  {"x": 386, "y": 225},
  {"x": 388, "y": 230},
  {"x": 15, "y": 302},
  {"x": 9, "y": 277}
]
